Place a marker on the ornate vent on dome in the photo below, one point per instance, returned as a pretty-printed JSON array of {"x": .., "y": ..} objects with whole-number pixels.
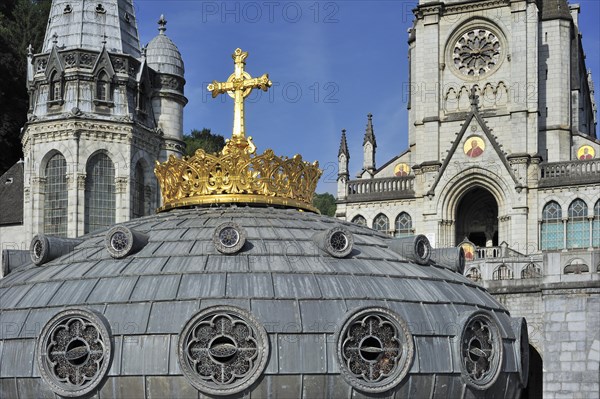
[
  {"x": 375, "y": 349},
  {"x": 237, "y": 175},
  {"x": 74, "y": 352},
  {"x": 223, "y": 350},
  {"x": 481, "y": 348}
]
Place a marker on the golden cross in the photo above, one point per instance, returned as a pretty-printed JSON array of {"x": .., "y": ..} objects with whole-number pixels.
[{"x": 238, "y": 86}]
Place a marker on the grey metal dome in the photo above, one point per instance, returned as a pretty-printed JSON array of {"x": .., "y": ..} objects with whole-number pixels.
[
  {"x": 251, "y": 301},
  {"x": 162, "y": 54}
]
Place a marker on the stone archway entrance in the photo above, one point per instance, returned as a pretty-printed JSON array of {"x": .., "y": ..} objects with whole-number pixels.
[{"x": 477, "y": 218}]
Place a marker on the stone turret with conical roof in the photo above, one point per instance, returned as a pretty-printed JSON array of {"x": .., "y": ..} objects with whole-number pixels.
[{"x": 168, "y": 100}]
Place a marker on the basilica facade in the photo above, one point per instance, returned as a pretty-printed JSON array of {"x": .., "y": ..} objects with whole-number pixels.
[{"x": 502, "y": 159}]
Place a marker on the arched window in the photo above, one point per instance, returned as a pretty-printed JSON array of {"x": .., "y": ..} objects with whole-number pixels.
[
  {"x": 503, "y": 272},
  {"x": 552, "y": 228},
  {"x": 381, "y": 223},
  {"x": 55, "y": 198},
  {"x": 531, "y": 271},
  {"x": 577, "y": 266},
  {"x": 596, "y": 225},
  {"x": 474, "y": 274},
  {"x": 55, "y": 87},
  {"x": 359, "y": 220},
  {"x": 578, "y": 227},
  {"x": 99, "y": 193},
  {"x": 403, "y": 225},
  {"x": 138, "y": 192},
  {"x": 103, "y": 87}
]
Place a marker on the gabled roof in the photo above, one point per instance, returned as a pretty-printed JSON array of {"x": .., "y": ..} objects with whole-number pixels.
[
  {"x": 474, "y": 114},
  {"x": 11, "y": 195}
]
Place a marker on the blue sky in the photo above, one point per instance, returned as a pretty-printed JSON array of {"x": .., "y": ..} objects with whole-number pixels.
[{"x": 332, "y": 63}]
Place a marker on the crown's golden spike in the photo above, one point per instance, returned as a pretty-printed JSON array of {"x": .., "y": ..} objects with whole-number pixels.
[{"x": 237, "y": 175}]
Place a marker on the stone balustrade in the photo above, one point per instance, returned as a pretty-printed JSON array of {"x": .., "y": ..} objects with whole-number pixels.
[
  {"x": 380, "y": 188},
  {"x": 576, "y": 172}
]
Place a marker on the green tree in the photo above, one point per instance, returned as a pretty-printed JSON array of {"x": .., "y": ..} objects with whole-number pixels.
[
  {"x": 22, "y": 22},
  {"x": 325, "y": 203},
  {"x": 204, "y": 139}
]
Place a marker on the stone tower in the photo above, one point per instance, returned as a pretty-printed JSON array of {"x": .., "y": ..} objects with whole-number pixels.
[
  {"x": 168, "y": 100},
  {"x": 98, "y": 119}
]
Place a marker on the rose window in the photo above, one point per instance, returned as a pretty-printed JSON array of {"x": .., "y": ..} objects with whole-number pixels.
[
  {"x": 375, "y": 350},
  {"x": 74, "y": 352},
  {"x": 477, "y": 52},
  {"x": 223, "y": 350},
  {"x": 481, "y": 351}
]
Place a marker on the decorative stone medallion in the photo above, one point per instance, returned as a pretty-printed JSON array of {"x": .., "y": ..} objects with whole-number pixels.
[
  {"x": 481, "y": 351},
  {"x": 476, "y": 52},
  {"x": 229, "y": 238},
  {"x": 74, "y": 352},
  {"x": 223, "y": 350},
  {"x": 339, "y": 242},
  {"x": 375, "y": 349},
  {"x": 119, "y": 241}
]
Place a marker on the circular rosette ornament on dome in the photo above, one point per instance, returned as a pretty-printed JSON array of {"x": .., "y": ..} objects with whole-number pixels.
[
  {"x": 375, "y": 350},
  {"x": 74, "y": 352},
  {"x": 223, "y": 350}
]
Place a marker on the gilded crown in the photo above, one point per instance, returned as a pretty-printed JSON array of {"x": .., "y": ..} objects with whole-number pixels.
[{"x": 237, "y": 175}]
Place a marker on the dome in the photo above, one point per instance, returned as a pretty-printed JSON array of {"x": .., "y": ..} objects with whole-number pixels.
[
  {"x": 162, "y": 54},
  {"x": 240, "y": 288},
  {"x": 277, "y": 300}
]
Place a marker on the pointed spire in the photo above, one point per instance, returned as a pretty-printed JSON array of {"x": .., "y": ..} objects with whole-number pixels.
[
  {"x": 370, "y": 133},
  {"x": 344, "y": 146},
  {"x": 162, "y": 24}
]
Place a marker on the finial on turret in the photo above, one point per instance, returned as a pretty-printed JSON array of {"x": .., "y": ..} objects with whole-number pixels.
[
  {"x": 344, "y": 145},
  {"x": 104, "y": 39},
  {"x": 30, "y": 51},
  {"x": 55, "y": 38},
  {"x": 162, "y": 24}
]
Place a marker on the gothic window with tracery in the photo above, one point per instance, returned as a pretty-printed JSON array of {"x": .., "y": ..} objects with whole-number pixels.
[
  {"x": 138, "y": 192},
  {"x": 503, "y": 272},
  {"x": 531, "y": 271},
  {"x": 359, "y": 220},
  {"x": 100, "y": 204},
  {"x": 55, "y": 87},
  {"x": 381, "y": 223},
  {"x": 103, "y": 87},
  {"x": 552, "y": 227},
  {"x": 474, "y": 274},
  {"x": 596, "y": 225},
  {"x": 578, "y": 227},
  {"x": 55, "y": 198},
  {"x": 477, "y": 52},
  {"x": 403, "y": 225}
]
